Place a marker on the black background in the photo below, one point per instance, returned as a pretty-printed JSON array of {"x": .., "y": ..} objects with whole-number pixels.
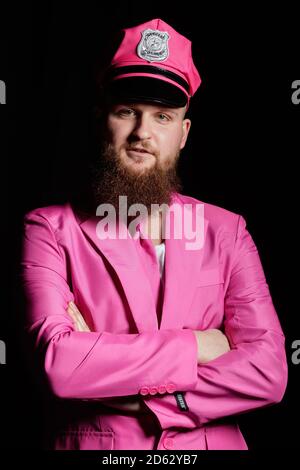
[{"x": 242, "y": 155}]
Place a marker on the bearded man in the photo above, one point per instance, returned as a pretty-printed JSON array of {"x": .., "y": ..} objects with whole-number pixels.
[{"x": 148, "y": 340}]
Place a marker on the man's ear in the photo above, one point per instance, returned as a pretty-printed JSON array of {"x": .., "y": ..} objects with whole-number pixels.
[{"x": 186, "y": 125}]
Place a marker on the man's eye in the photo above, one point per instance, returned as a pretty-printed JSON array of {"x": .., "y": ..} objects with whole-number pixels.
[
  {"x": 163, "y": 117},
  {"x": 126, "y": 112}
]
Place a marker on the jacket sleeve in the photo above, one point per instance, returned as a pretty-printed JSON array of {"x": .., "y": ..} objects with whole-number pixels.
[
  {"x": 253, "y": 373},
  {"x": 91, "y": 365}
]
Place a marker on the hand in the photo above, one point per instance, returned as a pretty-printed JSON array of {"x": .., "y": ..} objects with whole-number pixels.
[
  {"x": 126, "y": 403},
  {"x": 212, "y": 343},
  {"x": 78, "y": 320}
]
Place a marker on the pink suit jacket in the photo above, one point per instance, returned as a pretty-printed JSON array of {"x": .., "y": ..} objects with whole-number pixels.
[{"x": 222, "y": 285}]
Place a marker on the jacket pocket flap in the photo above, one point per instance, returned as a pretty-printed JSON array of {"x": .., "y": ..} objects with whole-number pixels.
[{"x": 85, "y": 440}]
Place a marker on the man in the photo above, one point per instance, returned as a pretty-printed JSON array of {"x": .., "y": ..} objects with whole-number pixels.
[{"x": 149, "y": 340}]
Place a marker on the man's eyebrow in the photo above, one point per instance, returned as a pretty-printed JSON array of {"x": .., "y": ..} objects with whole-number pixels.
[
  {"x": 134, "y": 105},
  {"x": 121, "y": 105},
  {"x": 169, "y": 110}
]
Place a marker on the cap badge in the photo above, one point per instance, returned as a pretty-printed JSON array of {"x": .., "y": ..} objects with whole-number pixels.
[{"x": 153, "y": 46}]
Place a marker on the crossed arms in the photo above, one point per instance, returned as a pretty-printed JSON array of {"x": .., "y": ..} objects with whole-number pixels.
[
  {"x": 211, "y": 344},
  {"x": 222, "y": 381}
]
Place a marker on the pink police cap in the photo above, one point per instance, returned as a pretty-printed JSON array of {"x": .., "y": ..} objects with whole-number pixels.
[{"x": 153, "y": 63}]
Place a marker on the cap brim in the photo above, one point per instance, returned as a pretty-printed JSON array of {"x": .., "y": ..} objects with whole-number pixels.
[{"x": 145, "y": 89}]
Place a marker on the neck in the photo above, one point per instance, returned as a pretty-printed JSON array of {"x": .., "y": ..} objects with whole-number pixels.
[{"x": 153, "y": 227}]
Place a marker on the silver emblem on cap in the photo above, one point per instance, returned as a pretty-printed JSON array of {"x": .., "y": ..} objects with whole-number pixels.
[{"x": 153, "y": 46}]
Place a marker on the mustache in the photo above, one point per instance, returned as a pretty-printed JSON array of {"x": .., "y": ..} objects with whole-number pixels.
[{"x": 142, "y": 146}]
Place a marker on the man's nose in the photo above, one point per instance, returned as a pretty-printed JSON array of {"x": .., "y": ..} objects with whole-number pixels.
[{"x": 142, "y": 128}]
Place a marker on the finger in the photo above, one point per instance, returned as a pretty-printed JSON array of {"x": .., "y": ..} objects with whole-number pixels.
[
  {"x": 79, "y": 318},
  {"x": 126, "y": 405},
  {"x": 74, "y": 319},
  {"x": 81, "y": 321}
]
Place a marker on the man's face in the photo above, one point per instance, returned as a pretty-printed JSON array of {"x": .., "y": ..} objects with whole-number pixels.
[
  {"x": 140, "y": 149},
  {"x": 144, "y": 135}
]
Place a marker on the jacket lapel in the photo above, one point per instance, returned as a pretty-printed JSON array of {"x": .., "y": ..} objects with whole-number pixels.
[
  {"x": 123, "y": 257},
  {"x": 182, "y": 267}
]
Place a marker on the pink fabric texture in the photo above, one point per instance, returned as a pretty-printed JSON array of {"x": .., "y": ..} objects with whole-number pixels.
[{"x": 222, "y": 285}]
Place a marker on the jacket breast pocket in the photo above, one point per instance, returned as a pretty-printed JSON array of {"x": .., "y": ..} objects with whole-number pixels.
[
  {"x": 210, "y": 277},
  {"x": 85, "y": 440},
  {"x": 207, "y": 305}
]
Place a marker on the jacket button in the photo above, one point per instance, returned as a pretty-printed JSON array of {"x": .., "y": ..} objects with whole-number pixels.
[
  {"x": 144, "y": 391},
  {"x": 168, "y": 443},
  {"x": 153, "y": 390},
  {"x": 162, "y": 389},
  {"x": 171, "y": 388}
]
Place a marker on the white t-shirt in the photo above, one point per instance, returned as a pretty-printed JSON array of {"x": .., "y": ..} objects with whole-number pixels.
[{"x": 160, "y": 254}]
